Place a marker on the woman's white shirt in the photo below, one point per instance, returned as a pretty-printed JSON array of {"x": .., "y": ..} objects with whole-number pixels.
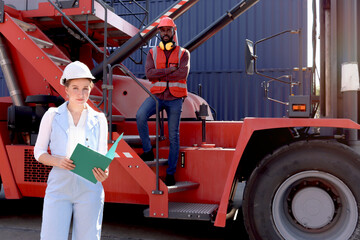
[{"x": 76, "y": 134}]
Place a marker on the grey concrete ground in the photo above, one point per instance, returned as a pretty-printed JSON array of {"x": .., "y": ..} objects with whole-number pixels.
[{"x": 21, "y": 220}]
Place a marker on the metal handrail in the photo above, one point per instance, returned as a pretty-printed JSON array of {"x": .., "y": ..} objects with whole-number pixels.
[
  {"x": 133, "y": 77},
  {"x": 267, "y": 38},
  {"x": 135, "y": 14},
  {"x": 105, "y": 86},
  {"x": 146, "y": 13}
]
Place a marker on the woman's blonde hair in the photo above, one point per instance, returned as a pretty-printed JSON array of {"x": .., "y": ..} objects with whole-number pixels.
[{"x": 67, "y": 83}]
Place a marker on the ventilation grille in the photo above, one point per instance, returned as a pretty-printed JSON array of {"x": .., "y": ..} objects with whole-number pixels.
[{"x": 33, "y": 170}]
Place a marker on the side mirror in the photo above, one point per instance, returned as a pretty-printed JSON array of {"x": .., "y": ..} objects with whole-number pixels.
[{"x": 249, "y": 57}]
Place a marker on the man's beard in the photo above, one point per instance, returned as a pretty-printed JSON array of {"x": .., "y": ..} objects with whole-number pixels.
[{"x": 170, "y": 39}]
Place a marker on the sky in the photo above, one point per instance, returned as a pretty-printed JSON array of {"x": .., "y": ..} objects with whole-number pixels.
[{"x": 309, "y": 27}]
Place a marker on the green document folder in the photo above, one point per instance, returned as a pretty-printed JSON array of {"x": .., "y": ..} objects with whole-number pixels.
[{"x": 86, "y": 159}]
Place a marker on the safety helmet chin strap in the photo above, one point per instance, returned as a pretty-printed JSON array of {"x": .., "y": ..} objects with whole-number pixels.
[{"x": 175, "y": 37}]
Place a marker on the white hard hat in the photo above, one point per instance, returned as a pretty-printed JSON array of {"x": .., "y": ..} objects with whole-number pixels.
[{"x": 75, "y": 70}]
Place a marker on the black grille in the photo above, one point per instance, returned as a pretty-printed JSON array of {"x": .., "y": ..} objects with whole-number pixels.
[{"x": 33, "y": 170}]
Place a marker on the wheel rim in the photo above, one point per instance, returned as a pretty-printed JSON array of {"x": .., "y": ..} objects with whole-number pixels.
[{"x": 314, "y": 205}]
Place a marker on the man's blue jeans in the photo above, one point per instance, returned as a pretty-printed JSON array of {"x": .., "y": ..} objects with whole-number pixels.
[{"x": 173, "y": 111}]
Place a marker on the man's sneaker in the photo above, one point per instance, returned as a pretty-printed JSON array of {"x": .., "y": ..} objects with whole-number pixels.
[
  {"x": 147, "y": 156},
  {"x": 170, "y": 180}
]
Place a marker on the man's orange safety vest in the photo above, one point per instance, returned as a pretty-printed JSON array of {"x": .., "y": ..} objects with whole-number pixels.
[{"x": 177, "y": 88}]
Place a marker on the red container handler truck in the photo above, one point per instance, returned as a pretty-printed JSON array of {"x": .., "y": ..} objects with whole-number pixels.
[{"x": 299, "y": 183}]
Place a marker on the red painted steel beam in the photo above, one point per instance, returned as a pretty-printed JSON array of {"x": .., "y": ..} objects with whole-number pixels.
[
  {"x": 219, "y": 24},
  {"x": 34, "y": 55}
]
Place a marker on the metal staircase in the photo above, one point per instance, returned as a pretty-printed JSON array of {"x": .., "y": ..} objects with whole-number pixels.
[
  {"x": 43, "y": 42},
  {"x": 48, "y": 60}
]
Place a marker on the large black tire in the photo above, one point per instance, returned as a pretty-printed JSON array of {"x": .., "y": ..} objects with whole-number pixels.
[{"x": 307, "y": 190}]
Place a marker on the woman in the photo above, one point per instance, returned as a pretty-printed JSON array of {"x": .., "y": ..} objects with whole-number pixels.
[{"x": 67, "y": 194}]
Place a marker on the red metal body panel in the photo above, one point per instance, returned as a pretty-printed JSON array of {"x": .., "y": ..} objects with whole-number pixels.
[
  {"x": 39, "y": 85},
  {"x": 12, "y": 11},
  {"x": 200, "y": 163},
  {"x": 6, "y": 169},
  {"x": 207, "y": 166},
  {"x": 17, "y": 154},
  {"x": 254, "y": 124},
  {"x": 5, "y": 102}
]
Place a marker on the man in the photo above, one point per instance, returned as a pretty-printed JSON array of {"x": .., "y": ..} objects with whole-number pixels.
[{"x": 167, "y": 67}]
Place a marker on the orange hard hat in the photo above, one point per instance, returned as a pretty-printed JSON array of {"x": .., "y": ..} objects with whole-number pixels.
[{"x": 166, "y": 22}]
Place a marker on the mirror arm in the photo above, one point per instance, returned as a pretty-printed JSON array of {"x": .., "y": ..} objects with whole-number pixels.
[{"x": 264, "y": 39}]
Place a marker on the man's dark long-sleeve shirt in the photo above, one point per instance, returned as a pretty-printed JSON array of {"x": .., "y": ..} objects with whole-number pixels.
[{"x": 165, "y": 74}]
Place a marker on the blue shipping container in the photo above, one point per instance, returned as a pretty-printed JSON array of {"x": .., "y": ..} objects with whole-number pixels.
[{"x": 218, "y": 65}]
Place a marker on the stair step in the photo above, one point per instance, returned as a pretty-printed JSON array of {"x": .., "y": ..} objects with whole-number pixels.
[
  {"x": 190, "y": 211},
  {"x": 162, "y": 162},
  {"x": 197, "y": 211},
  {"x": 42, "y": 43},
  {"x": 59, "y": 61},
  {"x": 182, "y": 186},
  {"x": 25, "y": 26},
  {"x": 134, "y": 140}
]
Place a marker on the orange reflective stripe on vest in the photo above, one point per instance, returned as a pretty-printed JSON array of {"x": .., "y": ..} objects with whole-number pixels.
[{"x": 178, "y": 88}]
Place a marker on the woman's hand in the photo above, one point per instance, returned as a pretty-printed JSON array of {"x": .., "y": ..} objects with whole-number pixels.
[
  {"x": 65, "y": 163},
  {"x": 100, "y": 175}
]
